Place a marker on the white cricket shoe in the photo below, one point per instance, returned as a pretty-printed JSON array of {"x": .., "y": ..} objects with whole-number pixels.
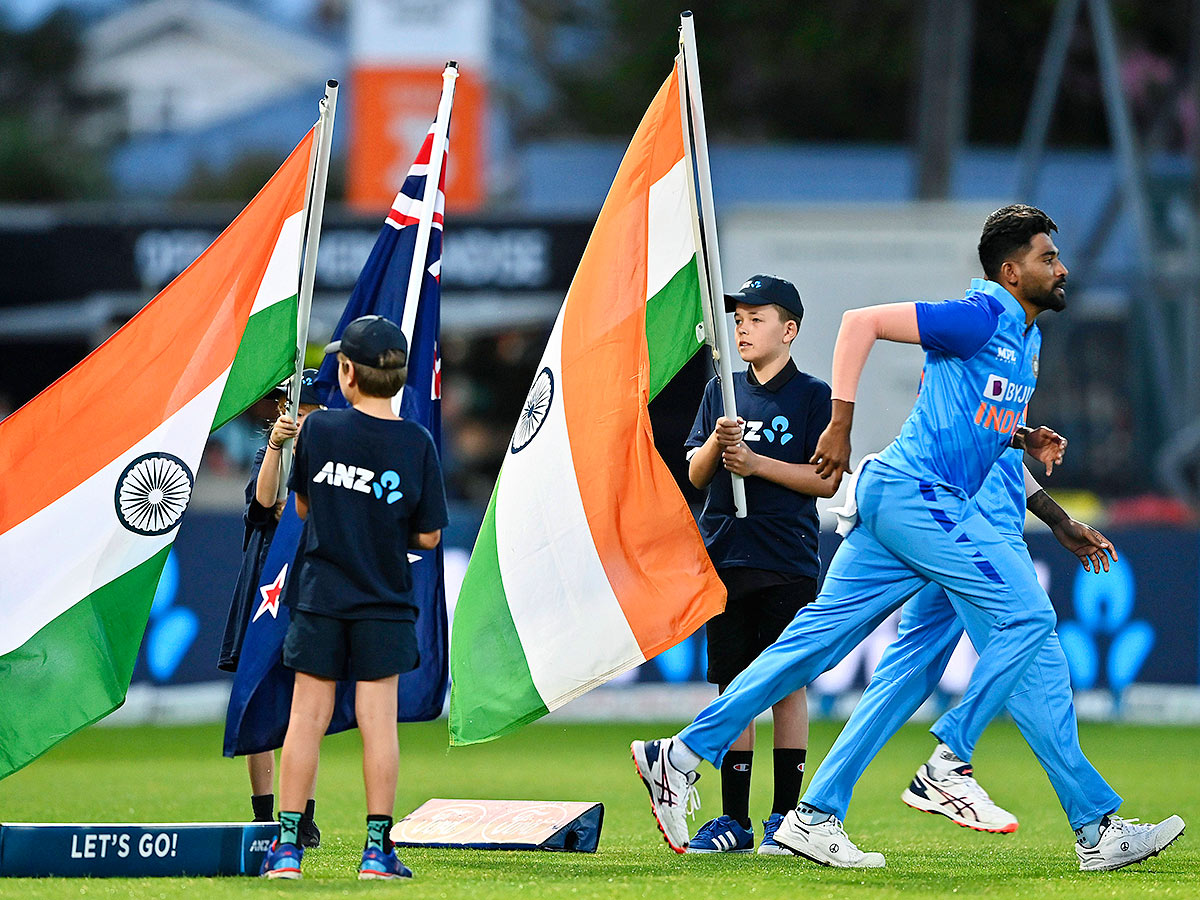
[
  {"x": 1127, "y": 841},
  {"x": 673, "y": 796},
  {"x": 825, "y": 843},
  {"x": 957, "y": 796}
]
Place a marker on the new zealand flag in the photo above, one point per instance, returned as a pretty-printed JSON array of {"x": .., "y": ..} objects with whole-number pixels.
[{"x": 260, "y": 703}]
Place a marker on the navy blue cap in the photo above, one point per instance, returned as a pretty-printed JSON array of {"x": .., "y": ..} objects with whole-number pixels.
[
  {"x": 367, "y": 338},
  {"x": 760, "y": 290},
  {"x": 310, "y": 394}
]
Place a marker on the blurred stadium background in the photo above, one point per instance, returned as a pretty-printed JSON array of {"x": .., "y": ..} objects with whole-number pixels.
[{"x": 857, "y": 146}]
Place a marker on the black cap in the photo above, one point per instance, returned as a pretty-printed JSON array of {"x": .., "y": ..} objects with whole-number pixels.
[
  {"x": 760, "y": 290},
  {"x": 310, "y": 394},
  {"x": 367, "y": 338}
]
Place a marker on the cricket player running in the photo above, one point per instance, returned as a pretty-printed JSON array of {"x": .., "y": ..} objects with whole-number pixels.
[
  {"x": 1041, "y": 706},
  {"x": 916, "y": 520}
]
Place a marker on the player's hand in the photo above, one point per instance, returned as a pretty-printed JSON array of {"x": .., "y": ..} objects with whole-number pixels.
[
  {"x": 1046, "y": 446},
  {"x": 279, "y": 505},
  {"x": 1092, "y": 548},
  {"x": 832, "y": 456},
  {"x": 284, "y": 429},
  {"x": 740, "y": 460},
  {"x": 729, "y": 431}
]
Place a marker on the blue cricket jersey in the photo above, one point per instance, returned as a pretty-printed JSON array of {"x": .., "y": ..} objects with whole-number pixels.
[
  {"x": 980, "y": 371},
  {"x": 1001, "y": 499}
]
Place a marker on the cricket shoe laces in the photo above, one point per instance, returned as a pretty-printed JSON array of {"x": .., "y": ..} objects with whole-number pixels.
[
  {"x": 825, "y": 843},
  {"x": 673, "y": 794},
  {"x": 1127, "y": 841},
  {"x": 956, "y": 795}
]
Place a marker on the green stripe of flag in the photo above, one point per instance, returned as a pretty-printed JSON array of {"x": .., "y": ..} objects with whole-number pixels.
[
  {"x": 77, "y": 668},
  {"x": 264, "y": 358},
  {"x": 671, "y": 319},
  {"x": 487, "y": 663}
]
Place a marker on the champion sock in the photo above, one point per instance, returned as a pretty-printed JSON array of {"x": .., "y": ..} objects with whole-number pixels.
[
  {"x": 789, "y": 776},
  {"x": 377, "y": 833},
  {"x": 309, "y": 810},
  {"x": 735, "y": 785},
  {"x": 289, "y": 827},
  {"x": 812, "y": 815},
  {"x": 943, "y": 761},
  {"x": 680, "y": 755},
  {"x": 1089, "y": 834},
  {"x": 263, "y": 806}
]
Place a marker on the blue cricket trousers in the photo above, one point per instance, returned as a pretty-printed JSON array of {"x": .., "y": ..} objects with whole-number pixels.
[
  {"x": 909, "y": 671},
  {"x": 909, "y": 534}
]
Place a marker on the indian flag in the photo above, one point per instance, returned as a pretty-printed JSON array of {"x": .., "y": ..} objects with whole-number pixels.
[
  {"x": 97, "y": 470},
  {"x": 588, "y": 562}
]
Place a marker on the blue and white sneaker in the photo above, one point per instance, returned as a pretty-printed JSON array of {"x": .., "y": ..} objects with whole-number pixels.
[
  {"x": 673, "y": 795},
  {"x": 722, "y": 835},
  {"x": 768, "y": 847},
  {"x": 379, "y": 865},
  {"x": 282, "y": 861}
]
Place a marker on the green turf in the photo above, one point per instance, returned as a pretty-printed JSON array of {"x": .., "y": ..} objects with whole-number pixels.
[{"x": 176, "y": 774}]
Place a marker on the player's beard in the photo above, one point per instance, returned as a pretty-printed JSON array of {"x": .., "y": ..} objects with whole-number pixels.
[{"x": 1052, "y": 299}]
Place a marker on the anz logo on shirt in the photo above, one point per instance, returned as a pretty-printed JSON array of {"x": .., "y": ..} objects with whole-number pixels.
[
  {"x": 356, "y": 478},
  {"x": 777, "y": 432}
]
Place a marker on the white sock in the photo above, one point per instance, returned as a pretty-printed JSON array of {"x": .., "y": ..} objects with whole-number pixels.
[
  {"x": 680, "y": 755},
  {"x": 943, "y": 760}
]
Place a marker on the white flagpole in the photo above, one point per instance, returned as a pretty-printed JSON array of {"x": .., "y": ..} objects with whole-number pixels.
[
  {"x": 315, "y": 212},
  {"x": 713, "y": 291},
  {"x": 433, "y": 173}
]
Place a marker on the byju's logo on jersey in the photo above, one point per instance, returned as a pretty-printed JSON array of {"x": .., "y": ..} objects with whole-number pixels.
[
  {"x": 356, "y": 478},
  {"x": 995, "y": 387}
]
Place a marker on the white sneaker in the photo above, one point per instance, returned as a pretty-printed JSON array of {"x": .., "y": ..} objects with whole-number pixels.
[
  {"x": 673, "y": 796},
  {"x": 1126, "y": 841},
  {"x": 825, "y": 843},
  {"x": 957, "y": 796}
]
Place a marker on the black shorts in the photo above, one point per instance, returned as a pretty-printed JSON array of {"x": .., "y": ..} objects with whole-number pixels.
[
  {"x": 349, "y": 649},
  {"x": 758, "y": 609}
]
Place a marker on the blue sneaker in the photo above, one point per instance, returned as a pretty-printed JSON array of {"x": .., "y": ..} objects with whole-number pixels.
[
  {"x": 768, "y": 847},
  {"x": 386, "y": 866},
  {"x": 282, "y": 861},
  {"x": 722, "y": 835}
]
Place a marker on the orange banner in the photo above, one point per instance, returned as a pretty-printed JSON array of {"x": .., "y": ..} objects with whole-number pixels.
[{"x": 390, "y": 112}]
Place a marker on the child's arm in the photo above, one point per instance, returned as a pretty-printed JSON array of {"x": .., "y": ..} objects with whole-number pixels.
[
  {"x": 799, "y": 477},
  {"x": 702, "y": 465},
  {"x": 425, "y": 540},
  {"x": 267, "y": 489}
]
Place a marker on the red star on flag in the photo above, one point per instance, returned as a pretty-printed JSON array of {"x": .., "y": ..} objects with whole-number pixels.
[
  {"x": 271, "y": 594},
  {"x": 437, "y": 374}
]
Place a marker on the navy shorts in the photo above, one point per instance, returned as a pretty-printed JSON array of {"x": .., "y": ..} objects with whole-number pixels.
[
  {"x": 349, "y": 649},
  {"x": 759, "y": 607}
]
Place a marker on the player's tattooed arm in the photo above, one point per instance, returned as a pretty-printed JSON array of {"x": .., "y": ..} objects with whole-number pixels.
[{"x": 1091, "y": 547}]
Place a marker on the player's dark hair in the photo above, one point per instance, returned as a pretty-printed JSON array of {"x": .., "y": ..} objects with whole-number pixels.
[
  {"x": 1008, "y": 230},
  {"x": 381, "y": 381}
]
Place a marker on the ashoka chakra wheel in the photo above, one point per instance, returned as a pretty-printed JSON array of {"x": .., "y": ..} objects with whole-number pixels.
[
  {"x": 153, "y": 492},
  {"x": 535, "y": 410}
]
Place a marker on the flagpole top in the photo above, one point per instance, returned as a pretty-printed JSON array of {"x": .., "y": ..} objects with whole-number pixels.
[
  {"x": 686, "y": 14},
  {"x": 452, "y": 64},
  {"x": 331, "y": 83}
]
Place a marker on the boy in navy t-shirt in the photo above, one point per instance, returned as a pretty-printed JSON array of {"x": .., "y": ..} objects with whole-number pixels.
[
  {"x": 370, "y": 487},
  {"x": 768, "y": 560}
]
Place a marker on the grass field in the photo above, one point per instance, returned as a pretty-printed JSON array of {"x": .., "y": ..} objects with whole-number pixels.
[{"x": 176, "y": 774}]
